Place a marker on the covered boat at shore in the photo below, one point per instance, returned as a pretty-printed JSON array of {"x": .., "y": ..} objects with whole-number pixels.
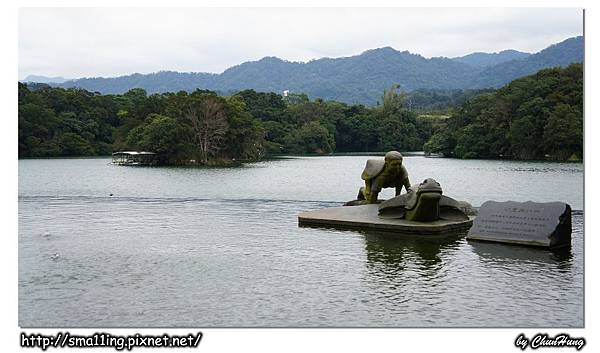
[{"x": 134, "y": 158}]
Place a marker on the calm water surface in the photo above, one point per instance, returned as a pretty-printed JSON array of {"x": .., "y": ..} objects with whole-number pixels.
[{"x": 222, "y": 247}]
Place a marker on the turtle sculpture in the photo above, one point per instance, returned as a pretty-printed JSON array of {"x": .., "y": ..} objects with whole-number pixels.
[
  {"x": 379, "y": 174},
  {"x": 425, "y": 203}
]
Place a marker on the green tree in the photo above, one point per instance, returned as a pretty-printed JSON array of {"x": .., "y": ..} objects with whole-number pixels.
[
  {"x": 72, "y": 144},
  {"x": 397, "y": 126},
  {"x": 164, "y": 136},
  {"x": 442, "y": 141},
  {"x": 563, "y": 133},
  {"x": 245, "y": 136},
  {"x": 311, "y": 138}
]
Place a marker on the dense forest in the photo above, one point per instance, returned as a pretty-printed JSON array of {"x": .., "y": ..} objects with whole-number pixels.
[
  {"x": 358, "y": 79},
  {"x": 535, "y": 117},
  {"x": 206, "y": 127}
]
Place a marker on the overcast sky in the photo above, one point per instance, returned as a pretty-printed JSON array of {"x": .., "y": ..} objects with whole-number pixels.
[{"x": 89, "y": 42}]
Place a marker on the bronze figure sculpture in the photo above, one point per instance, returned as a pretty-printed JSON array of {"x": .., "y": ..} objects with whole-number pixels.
[{"x": 379, "y": 174}]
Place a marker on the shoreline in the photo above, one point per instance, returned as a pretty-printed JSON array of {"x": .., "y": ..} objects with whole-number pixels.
[{"x": 235, "y": 163}]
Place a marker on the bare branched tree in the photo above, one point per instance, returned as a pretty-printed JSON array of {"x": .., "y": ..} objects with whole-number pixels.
[{"x": 209, "y": 123}]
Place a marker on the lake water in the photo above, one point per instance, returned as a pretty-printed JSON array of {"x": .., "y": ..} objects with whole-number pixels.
[{"x": 183, "y": 247}]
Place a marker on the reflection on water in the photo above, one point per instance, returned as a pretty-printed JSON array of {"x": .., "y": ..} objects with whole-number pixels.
[
  {"x": 407, "y": 265},
  {"x": 394, "y": 250},
  {"x": 493, "y": 252}
]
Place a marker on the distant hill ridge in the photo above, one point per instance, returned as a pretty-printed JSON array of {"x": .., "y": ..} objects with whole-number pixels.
[
  {"x": 45, "y": 79},
  {"x": 489, "y": 59},
  {"x": 355, "y": 79}
]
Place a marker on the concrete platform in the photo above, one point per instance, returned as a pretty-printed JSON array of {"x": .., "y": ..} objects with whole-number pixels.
[{"x": 365, "y": 218}]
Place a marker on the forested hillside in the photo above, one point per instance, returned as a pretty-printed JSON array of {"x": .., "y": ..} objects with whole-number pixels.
[
  {"x": 562, "y": 54},
  {"x": 534, "y": 117}
]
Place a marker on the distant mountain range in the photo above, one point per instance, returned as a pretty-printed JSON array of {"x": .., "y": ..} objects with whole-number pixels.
[
  {"x": 355, "y": 79},
  {"x": 44, "y": 79}
]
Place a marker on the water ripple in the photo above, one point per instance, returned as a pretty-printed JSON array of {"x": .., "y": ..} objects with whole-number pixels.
[{"x": 173, "y": 248}]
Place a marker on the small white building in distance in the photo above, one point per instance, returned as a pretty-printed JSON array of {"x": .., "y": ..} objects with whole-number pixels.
[{"x": 285, "y": 93}]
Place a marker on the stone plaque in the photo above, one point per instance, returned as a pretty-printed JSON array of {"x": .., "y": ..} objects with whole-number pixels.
[{"x": 528, "y": 223}]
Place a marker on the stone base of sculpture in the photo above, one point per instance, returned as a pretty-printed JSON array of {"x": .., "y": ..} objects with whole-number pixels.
[{"x": 366, "y": 217}]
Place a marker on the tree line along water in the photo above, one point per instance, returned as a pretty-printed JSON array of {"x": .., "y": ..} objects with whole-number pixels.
[{"x": 532, "y": 118}]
